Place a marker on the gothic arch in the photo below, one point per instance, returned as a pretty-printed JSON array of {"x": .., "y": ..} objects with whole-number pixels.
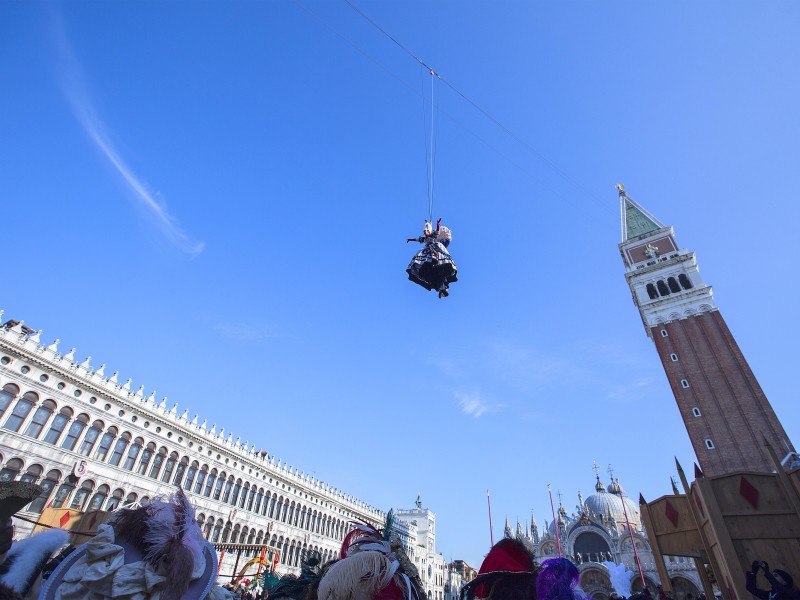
[
  {"x": 636, "y": 583},
  {"x": 673, "y": 285},
  {"x": 681, "y": 586},
  {"x": 19, "y": 413},
  {"x": 590, "y": 545},
  {"x": 82, "y": 494},
  {"x": 12, "y": 469},
  {"x": 115, "y": 500},
  {"x": 47, "y": 485}
]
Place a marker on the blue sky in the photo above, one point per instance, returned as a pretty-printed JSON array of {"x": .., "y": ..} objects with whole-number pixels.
[{"x": 213, "y": 198}]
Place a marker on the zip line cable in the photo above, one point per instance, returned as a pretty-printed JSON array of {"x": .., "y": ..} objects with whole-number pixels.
[
  {"x": 388, "y": 35},
  {"x": 475, "y": 105},
  {"x": 403, "y": 82}
]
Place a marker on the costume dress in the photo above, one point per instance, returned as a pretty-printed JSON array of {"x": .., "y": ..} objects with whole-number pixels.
[{"x": 433, "y": 267}]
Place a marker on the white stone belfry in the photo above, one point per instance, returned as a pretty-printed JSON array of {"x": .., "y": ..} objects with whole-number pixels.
[{"x": 665, "y": 281}]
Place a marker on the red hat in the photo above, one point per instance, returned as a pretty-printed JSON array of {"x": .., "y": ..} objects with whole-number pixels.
[{"x": 508, "y": 573}]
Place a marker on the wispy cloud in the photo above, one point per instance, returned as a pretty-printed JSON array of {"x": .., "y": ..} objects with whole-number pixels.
[
  {"x": 474, "y": 404},
  {"x": 83, "y": 108},
  {"x": 529, "y": 367},
  {"x": 632, "y": 392},
  {"x": 525, "y": 375}
]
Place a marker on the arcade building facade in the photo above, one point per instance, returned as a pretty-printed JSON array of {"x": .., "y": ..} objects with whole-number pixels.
[{"x": 93, "y": 443}]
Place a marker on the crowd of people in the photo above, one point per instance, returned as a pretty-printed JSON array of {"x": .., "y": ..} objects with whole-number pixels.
[{"x": 158, "y": 551}]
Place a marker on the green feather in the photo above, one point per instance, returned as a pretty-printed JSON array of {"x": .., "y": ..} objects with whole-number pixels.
[{"x": 387, "y": 528}]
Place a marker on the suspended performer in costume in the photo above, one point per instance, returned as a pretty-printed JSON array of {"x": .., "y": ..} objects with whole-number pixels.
[{"x": 433, "y": 267}]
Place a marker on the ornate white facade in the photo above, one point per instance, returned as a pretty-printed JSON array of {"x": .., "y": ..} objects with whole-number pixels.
[
  {"x": 597, "y": 532},
  {"x": 420, "y": 545},
  {"x": 94, "y": 443}
]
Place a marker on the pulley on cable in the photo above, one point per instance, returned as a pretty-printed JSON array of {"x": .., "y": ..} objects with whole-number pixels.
[{"x": 432, "y": 267}]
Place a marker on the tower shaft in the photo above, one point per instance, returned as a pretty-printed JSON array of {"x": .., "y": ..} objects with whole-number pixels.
[{"x": 726, "y": 413}]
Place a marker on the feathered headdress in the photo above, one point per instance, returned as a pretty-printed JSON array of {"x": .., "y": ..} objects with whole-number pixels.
[
  {"x": 166, "y": 533},
  {"x": 372, "y": 566},
  {"x": 558, "y": 580},
  {"x": 27, "y": 557},
  {"x": 508, "y": 572},
  {"x": 305, "y": 586},
  {"x": 161, "y": 538}
]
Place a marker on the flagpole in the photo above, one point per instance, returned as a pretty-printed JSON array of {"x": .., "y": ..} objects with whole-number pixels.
[
  {"x": 630, "y": 532},
  {"x": 489, "y": 504},
  {"x": 555, "y": 521}
]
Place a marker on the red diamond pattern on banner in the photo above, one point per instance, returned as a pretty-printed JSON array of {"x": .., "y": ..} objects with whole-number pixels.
[
  {"x": 748, "y": 492},
  {"x": 699, "y": 505},
  {"x": 671, "y": 513},
  {"x": 64, "y": 519}
]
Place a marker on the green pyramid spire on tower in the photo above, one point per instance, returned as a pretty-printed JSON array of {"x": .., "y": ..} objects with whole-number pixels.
[{"x": 636, "y": 220}]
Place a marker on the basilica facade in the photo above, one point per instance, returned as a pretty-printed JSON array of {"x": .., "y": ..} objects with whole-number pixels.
[
  {"x": 95, "y": 443},
  {"x": 599, "y": 537}
]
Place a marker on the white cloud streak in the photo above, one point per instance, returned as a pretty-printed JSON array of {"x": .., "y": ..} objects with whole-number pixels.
[
  {"x": 474, "y": 404},
  {"x": 631, "y": 393},
  {"x": 84, "y": 111},
  {"x": 524, "y": 375}
]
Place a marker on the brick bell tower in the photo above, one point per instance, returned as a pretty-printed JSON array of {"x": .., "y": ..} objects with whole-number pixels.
[{"x": 723, "y": 407}]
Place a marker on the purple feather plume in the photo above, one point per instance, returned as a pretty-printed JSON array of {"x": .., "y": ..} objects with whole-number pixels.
[
  {"x": 558, "y": 580},
  {"x": 174, "y": 542}
]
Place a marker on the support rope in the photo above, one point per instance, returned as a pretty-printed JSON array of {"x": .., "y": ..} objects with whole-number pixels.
[{"x": 431, "y": 168}]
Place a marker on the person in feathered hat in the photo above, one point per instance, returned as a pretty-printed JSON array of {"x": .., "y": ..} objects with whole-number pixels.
[
  {"x": 371, "y": 566},
  {"x": 156, "y": 551}
]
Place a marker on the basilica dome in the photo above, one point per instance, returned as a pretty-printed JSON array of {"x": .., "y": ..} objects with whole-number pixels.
[{"x": 609, "y": 504}]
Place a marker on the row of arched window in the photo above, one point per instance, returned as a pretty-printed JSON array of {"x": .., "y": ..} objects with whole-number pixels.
[
  {"x": 89, "y": 496},
  {"x": 290, "y": 550},
  {"x": 669, "y": 286},
  {"x": 91, "y": 438}
]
